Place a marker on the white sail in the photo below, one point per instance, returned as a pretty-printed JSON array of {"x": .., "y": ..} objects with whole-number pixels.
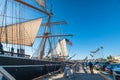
[
  {"x": 63, "y": 48},
  {"x": 41, "y": 3},
  {"x": 60, "y": 50},
  {"x": 56, "y": 51},
  {"x": 22, "y": 33}
]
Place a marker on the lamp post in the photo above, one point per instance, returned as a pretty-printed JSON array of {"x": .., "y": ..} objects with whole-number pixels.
[{"x": 101, "y": 47}]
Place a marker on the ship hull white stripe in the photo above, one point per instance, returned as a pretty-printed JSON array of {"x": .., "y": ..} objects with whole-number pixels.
[{"x": 29, "y": 65}]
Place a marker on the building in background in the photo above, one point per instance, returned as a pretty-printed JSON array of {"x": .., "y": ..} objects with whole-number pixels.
[{"x": 117, "y": 58}]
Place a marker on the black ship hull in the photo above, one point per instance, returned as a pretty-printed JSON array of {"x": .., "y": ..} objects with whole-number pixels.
[{"x": 27, "y": 69}]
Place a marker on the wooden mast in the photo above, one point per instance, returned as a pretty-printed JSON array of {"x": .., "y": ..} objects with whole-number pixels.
[
  {"x": 46, "y": 34},
  {"x": 47, "y": 25},
  {"x": 59, "y": 35},
  {"x": 45, "y": 38}
]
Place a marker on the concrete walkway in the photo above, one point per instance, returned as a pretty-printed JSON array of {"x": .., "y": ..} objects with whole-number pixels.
[{"x": 83, "y": 74}]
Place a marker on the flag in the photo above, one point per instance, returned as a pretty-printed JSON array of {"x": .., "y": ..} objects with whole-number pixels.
[{"x": 68, "y": 42}]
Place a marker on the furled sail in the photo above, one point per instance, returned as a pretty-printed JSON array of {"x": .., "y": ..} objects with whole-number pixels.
[
  {"x": 41, "y": 3},
  {"x": 60, "y": 50},
  {"x": 22, "y": 33}
]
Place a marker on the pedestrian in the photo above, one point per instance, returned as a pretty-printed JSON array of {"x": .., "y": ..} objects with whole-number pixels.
[
  {"x": 68, "y": 72},
  {"x": 1, "y": 48},
  {"x": 74, "y": 68},
  {"x": 77, "y": 67},
  {"x": 91, "y": 67}
]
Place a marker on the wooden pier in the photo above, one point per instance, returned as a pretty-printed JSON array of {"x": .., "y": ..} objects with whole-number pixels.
[{"x": 82, "y": 74}]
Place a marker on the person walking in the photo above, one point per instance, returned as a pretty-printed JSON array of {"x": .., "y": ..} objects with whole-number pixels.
[
  {"x": 91, "y": 67},
  {"x": 1, "y": 49},
  {"x": 68, "y": 72}
]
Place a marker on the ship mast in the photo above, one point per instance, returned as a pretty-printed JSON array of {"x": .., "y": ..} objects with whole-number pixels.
[
  {"x": 45, "y": 38},
  {"x": 46, "y": 29},
  {"x": 46, "y": 33}
]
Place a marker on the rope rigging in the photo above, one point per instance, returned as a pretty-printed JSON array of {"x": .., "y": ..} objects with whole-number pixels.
[
  {"x": 3, "y": 19},
  {"x": 18, "y": 17}
]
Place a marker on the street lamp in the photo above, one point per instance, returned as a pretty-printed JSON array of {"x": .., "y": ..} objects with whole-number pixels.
[{"x": 101, "y": 47}]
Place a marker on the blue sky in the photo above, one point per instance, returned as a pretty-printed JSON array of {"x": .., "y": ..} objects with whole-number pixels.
[{"x": 94, "y": 23}]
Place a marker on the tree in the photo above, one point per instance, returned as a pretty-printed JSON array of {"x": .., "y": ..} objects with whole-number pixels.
[{"x": 110, "y": 57}]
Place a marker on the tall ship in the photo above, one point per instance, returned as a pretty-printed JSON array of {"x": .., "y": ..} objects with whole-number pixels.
[{"x": 26, "y": 25}]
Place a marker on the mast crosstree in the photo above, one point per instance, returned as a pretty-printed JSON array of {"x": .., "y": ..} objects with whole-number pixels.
[
  {"x": 46, "y": 33},
  {"x": 21, "y": 25},
  {"x": 31, "y": 6}
]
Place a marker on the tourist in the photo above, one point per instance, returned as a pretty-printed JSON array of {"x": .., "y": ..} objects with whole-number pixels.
[
  {"x": 91, "y": 67},
  {"x": 1, "y": 48},
  {"x": 68, "y": 72}
]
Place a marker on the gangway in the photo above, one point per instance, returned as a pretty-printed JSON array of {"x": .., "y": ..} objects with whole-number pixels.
[{"x": 5, "y": 74}]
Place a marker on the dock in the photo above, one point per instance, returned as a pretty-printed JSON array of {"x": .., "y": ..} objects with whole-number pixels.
[{"x": 82, "y": 74}]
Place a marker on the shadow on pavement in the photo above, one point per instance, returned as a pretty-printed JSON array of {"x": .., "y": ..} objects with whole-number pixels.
[{"x": 82, "y": 76}]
